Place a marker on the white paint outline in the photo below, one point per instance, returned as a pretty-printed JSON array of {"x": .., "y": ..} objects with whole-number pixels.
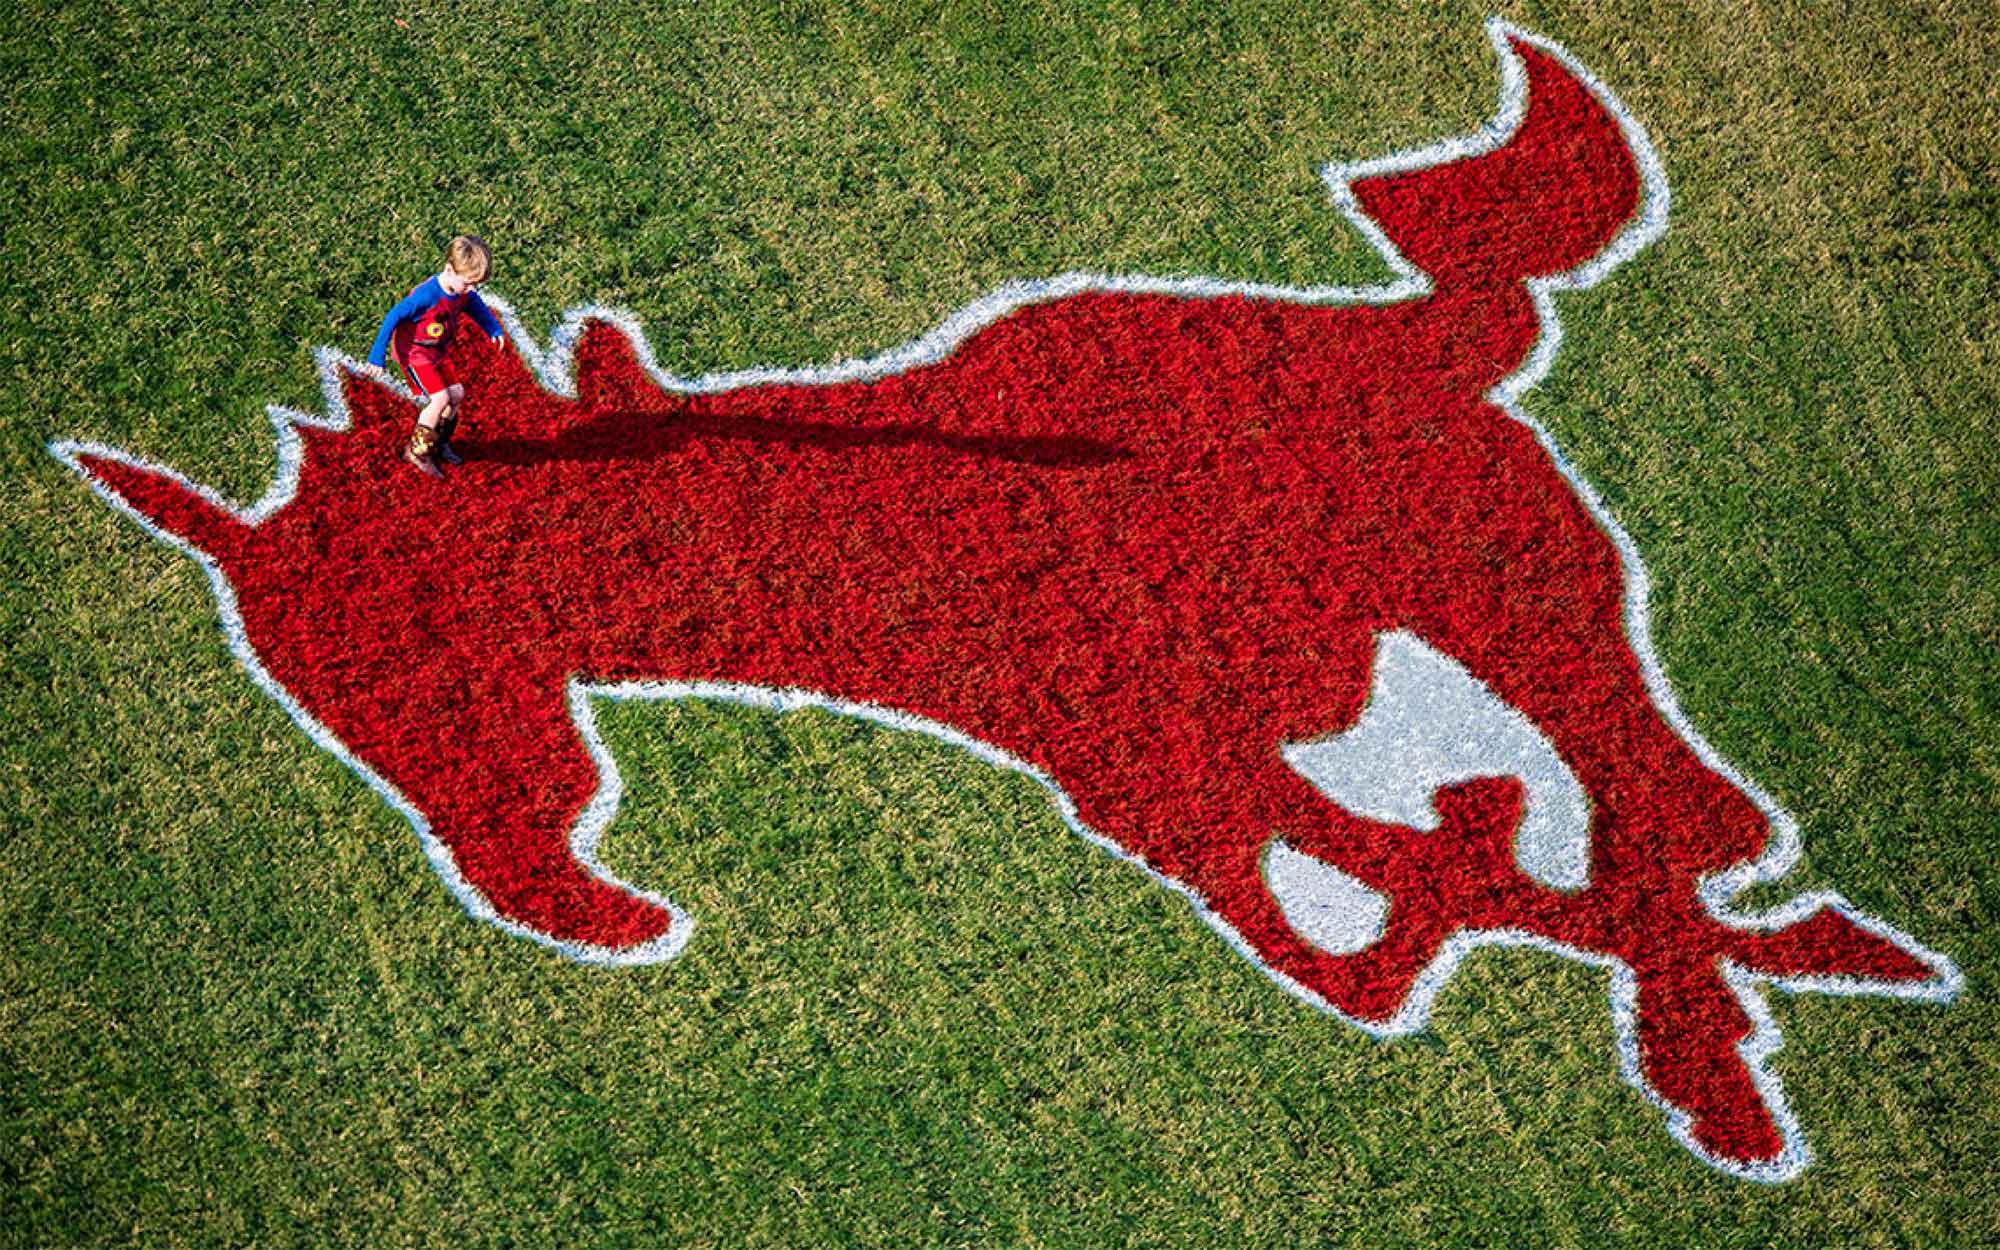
[{"x": 552, "y": 367}]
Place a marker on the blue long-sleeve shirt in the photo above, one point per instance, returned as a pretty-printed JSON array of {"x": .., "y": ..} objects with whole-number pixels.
[{"x": 436, "y": 315}]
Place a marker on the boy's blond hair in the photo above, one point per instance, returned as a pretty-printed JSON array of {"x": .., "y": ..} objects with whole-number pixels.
[{"x": 469, "y": 257}]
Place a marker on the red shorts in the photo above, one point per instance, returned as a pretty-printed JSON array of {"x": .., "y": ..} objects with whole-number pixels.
[{"x": 426, "y": 371}]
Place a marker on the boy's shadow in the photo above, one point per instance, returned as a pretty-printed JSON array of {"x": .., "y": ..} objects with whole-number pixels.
[{"x": 616, "y": 436}]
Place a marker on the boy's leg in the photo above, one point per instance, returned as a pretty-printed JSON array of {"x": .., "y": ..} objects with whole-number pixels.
[
  {"x": 423, "y": 374},
  {"x": 422, "y": 448},
  {"x": 448, "y": 426}
]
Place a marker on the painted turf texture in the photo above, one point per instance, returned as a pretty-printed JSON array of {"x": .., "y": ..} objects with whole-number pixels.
[{"x": 1129, "y": 536}]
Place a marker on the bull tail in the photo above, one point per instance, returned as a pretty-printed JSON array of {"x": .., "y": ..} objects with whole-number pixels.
[
  {"x": 163, "y": 501},
  {"x": 1561, "y": 178}
]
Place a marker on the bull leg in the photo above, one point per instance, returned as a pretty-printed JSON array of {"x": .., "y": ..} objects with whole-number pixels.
[
  {"x": 504, "y": 780},
  {"x": 1691, "y": 1027},
  {"x": 1700, "y": 1024}
]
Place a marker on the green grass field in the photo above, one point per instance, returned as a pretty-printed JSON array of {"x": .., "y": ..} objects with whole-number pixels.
[{"x": 238, "y": 1008}]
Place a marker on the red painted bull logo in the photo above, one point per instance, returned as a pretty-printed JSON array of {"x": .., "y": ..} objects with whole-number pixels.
[{"x": 1279, "y": 593}]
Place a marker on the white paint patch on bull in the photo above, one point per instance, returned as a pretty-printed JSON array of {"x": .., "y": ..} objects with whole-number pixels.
[
  {"x": 1334, "y": 911},
  {"x": 1429, "y": 723}
]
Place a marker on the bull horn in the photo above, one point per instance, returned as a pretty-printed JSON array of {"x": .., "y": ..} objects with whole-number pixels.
[
  {"x": 160, "y": 499},
  {"x": 1551, "y": 185}
]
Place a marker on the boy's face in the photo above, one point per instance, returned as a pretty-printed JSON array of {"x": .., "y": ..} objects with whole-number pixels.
[{"x": 455, "y": 283}]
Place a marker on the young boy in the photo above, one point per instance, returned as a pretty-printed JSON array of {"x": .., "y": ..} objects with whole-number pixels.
[{"x": 420, "y": 329}]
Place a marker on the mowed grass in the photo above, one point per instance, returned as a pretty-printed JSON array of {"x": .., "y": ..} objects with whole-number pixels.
[{"x": 238, "y": 1008}]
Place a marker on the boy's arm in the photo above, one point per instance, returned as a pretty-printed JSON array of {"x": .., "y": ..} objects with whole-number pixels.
[
  {"x": 484, "y": 316},
  {"x": 412, "y": 304}
]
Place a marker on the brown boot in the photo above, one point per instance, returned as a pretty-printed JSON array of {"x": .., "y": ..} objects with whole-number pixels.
[
  {"x": 447, "y": 428},
  {"x": 419, "y": 451}
]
